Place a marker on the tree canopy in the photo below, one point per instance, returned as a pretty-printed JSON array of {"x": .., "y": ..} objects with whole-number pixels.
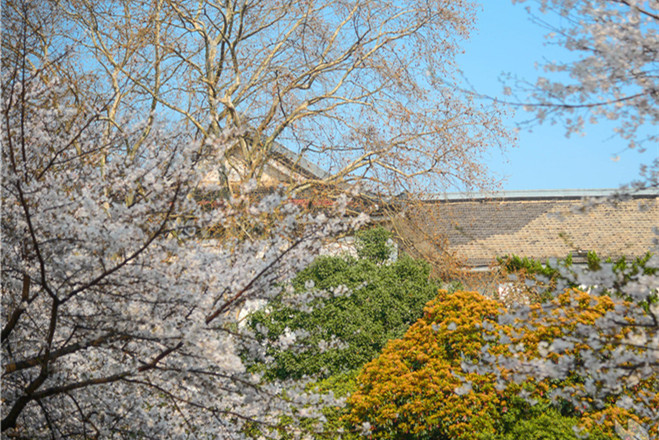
[{"x": 344, "y": 84}]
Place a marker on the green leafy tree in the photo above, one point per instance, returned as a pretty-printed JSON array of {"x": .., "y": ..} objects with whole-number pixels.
[
  {"x": 359, "y": 306},
  {"x": 374, "y": 244}
]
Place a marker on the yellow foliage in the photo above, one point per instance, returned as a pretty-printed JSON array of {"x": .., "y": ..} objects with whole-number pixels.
[
  {"x": 416, "y": 387},
  {"x": 411, "y": 387}
]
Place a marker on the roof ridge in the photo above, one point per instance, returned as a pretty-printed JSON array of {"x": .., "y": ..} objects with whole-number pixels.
[{"x": 539, "y": 194}]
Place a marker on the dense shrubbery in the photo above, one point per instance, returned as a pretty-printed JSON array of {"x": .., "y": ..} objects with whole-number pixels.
[
  {"x": 359, "y": 305},
  {"x": 544, "y": 278},
  {"x": 365, "y": 305},
  {"x": 538, "y": 422},
  {"x": 409, "y": 391},
  {"x": 424, "y": 385}
]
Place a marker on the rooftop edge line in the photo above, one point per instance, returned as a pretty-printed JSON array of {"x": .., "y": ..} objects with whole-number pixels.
[{"x": 540, "y": 194}]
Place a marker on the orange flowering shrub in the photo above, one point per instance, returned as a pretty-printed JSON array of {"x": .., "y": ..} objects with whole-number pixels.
[
  {"x": 415, "y": 386},
  {"x": 427, "y": 384}
]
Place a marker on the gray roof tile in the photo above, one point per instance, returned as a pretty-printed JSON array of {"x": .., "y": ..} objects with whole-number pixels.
[{"x": 480, "y": 230}]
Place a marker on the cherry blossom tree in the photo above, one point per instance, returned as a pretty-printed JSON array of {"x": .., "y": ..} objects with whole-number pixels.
[
  {"x": 115, "y": 321},
  {"x": 610, "y": 356},
  {"x": 599, "y": 346},
  {"x": 613, "y": 73},
  {"x": 116, "y": 324}
]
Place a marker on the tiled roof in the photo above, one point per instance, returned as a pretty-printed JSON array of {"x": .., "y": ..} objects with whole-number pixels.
[{"x": 537, "y": 225}]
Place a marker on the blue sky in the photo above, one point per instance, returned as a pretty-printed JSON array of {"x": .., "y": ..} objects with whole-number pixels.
[{"x": 506, "y": 41}]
